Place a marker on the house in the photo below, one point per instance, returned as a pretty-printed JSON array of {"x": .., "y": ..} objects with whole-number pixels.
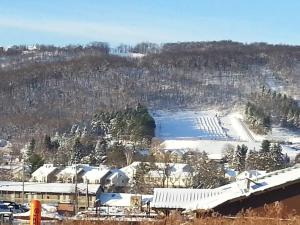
[
  {"x": 44, "y": 174},
  {"x": 117, "y": 180},
  {"x": 282, "y": 185},
  {"x": 15, "y": 172},
  {"x": 252, "y": 174},
  {"x": 174, "y": 155},
  {"x": 109, "y": 179},
  {"x": 95, "y": 175},
  {"x": 233, "y": 175},
  {"x": 50, "y": 193},
  {"x": 163, "y": 174},
  {"x": 69, "y": 173}
]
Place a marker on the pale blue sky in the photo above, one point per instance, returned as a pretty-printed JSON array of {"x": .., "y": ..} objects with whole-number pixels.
[{"x": 62, "y": 22}]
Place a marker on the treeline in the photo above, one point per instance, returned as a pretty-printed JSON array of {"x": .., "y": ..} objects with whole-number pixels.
[
  {"x": 268, "y": 107},
  {"x": 257, "y": 120},
  {"x": 38, "y": 96},
  {"x": 268, "y": 158}
]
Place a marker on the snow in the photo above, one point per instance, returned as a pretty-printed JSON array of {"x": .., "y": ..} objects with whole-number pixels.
[
  {"x": 94, "y": 174},
  {"x": 43, "y": 171},
  {"x": 129, "y": 54},
  {"x": 70, "y": 171},
  {"x": 188, "y": 124},
  {"x": 121, "y": 199},
  {"x": 59, "y": 188},
  {"x": 250, "y": 174},
  {"x": 175, "y": 170},
  {"x": 181, "y": 198},
  {"x": 48, "y": 212},
  {"x": 211, "y": 131},
  {"x": 213, "y": 148}
]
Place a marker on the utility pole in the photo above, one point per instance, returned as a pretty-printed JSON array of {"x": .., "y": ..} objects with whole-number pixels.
[
  {"x": 23, "y": 183},
  {"x": 87, "y": 195},
  {"x": 76, "y": 189}
]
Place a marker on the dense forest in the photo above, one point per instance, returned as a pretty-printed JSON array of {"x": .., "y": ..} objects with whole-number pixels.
[
  {"x": 49, "y": 88},
  {"x": 267, "y": 107}
]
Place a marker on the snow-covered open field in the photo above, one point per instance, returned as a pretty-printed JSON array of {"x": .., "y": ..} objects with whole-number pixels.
[
  {"x": 211, "y": 131},
  {"x": 199, "y": 125},
  {"x": 188, "y": 124}
]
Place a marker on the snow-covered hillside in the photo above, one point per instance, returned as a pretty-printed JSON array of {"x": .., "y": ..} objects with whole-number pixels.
[{"x": 211, "y": 131}]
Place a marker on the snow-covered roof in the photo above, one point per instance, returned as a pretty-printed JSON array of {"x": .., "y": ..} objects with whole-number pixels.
[
  {"x": 121, "y": 199},
  {"x": 250, "y": 174},
  {"x": 71, "y": 170},
  {"x": 44, "y": 170},
  {"x": 175, "y": 169},
  {"x": 95, "y": 173},
  {"x": 181, "y": 198},
  {"x": 166, "y": 198},
  {"x": 229, "y": 173},
  {"x": 60, "y": 188}
]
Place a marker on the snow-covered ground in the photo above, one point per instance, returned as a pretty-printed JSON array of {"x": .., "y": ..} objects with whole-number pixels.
[
  {"x": 206, "y": 125},
  {"x": 211, "y": 131}
]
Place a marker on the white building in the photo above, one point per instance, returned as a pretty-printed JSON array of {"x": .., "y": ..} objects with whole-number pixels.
[
  {"x": 44, "y": 174},
  {"x": 117, "y": 179},
  {"x": 95, "y": 175},
  {"x": 164, "y": 174},
  {"x": 67, "y": 175}
]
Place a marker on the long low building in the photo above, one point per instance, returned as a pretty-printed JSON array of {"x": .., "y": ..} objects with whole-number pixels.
[
  {"x": 53, "y": 193},
  {"x": 282, "y": 185}
]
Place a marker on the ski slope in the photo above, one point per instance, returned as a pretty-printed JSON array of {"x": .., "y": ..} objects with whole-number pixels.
[{"x": 212, "y": 132}]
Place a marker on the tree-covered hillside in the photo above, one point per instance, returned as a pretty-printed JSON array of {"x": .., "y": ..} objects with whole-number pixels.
[
  {"x": 267, "y": 107},
  {"x": 51, "y": 88}
]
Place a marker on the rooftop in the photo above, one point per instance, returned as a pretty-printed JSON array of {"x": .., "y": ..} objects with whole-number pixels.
[
  {"x": 193, "y": 199},
  {"x": 59, "y": 188}
]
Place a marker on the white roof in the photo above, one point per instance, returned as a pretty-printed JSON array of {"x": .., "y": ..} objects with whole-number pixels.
[
  {"x": 231, "y": 173},
  {"x": 175, "y": 169},
  {"x": 59, "y": 188},
  {"x": 251, "y": 174},
  {"x": 121, "y": 199},
  {"x": 96, "y": 173},
  {"x": 170, "y": 198},
  {"x": 181, "y": 198},
  {"x": 71, "y": 170},
  {"x": 44, "y": 170}
]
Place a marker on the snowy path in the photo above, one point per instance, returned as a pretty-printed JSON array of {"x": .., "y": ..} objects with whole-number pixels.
[{"x": 250, "y": 136}]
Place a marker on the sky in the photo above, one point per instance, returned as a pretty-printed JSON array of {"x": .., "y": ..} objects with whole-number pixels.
[{"x": 62, "y": 22}]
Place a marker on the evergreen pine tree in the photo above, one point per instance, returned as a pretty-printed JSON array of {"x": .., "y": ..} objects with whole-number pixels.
[
  {"x": 240, "y": 158},
  {"x": 253, "y": 160},
  {"x": 47, "y": 143},
  {"x": 100, "y": 151},
  {"x": 265, "y": 146},
  {"x": 265, "y": 162},
  {"x": 31, "y": 148},
  {"x": 76, "y": 151},
  {"x": 276, "y": 157}
]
